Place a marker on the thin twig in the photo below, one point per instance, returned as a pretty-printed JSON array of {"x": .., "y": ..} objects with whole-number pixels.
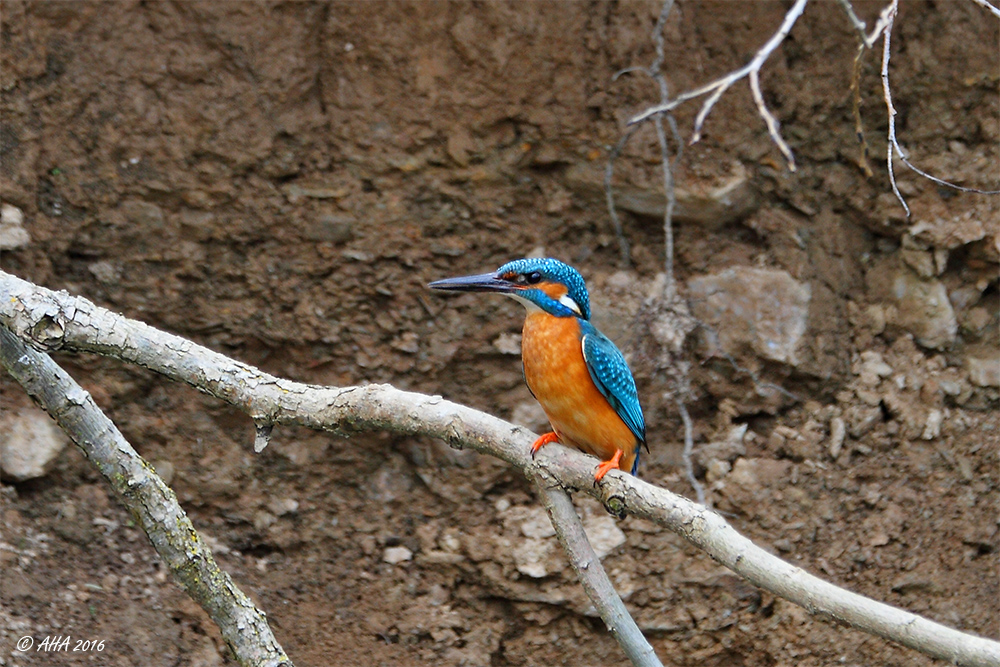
[
  {"x": 993, "y": 9},
  {"x": 889, "y": 16},
  {"x": 609, "y": 172},
  {"x": 859, "y": 128},
  {"x": 656, "y": 72},
  {"x": 868, "y": 38},
  {"x": 886, "y": 36},
  {"x": 152, "y": 504},
  {"x": 716, "y": 88},
  {"x": 688, "y": 449},
  {"x": 54, "y": 320},
  {"x": 770, "y": 120},
  {"x": 858, "y": 24},
  {"x": 588, "y": 567}
]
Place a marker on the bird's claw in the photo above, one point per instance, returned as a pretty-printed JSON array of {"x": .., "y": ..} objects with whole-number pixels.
[
  {"x": 612, "y": 464},
  {"x": 542, "y": 441}
]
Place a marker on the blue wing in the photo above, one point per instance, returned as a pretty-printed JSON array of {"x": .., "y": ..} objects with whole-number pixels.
[{"x": 614, "y": 380}]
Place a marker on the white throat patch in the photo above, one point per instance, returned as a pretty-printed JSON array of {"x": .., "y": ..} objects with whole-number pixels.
[{"x": 530, "y": 306}]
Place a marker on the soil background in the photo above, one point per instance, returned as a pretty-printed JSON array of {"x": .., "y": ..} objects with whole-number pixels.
[{"x": 279, "y": 181}]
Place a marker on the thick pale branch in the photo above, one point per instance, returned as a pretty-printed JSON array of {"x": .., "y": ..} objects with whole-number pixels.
[
  {"x": 54, "y": 321},
  {"x": 151, "y": 502}
]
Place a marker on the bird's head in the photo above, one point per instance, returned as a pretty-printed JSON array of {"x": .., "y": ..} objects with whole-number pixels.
[{"x": 548, "y": 284}]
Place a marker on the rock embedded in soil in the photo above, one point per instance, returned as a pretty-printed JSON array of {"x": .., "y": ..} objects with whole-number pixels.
[
  {"x": 12, "y": 231},
  {"x": 397, "y": 555},
  {"x": 921, "y": 305},
  {"x": 984, "y": 368},
  {"x": 763, "y": 311},
  {"x": 30, "y": 442},
  {"x": 712, "y": 205}
]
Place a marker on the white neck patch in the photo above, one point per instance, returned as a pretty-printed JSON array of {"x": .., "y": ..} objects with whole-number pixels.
[{"x": 571, "y": 304}]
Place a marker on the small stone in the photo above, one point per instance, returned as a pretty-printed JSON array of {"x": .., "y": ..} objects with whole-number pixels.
[
  {"x": 396, "y": 555},
  {"x": 984, "y": 371},
  {"x": 873, "y": 364},
  {"x": 537, "y": 524},
  {"x": 716, "y": 470},
  {"x": 533, "y": 557},
  {"x": 921, "y": 304},
  {"x": 450, "y": 542},
  {"x": 282, "y": 506},
  {"x": 838, "y": 432},
  {"x": 731, "y": 197},
  {"x": 508, "y": 343},
  {"x": 407, "y": 342},
  {"x": 197, "y": 225},
  {"x": 30, "y": 442},
  {"x": 12, "y": 231},
  {"x": 604, "y": 534},
  {"x": 862, "y": 420},
  {"x": 932, "y": 427},
  {"x": 878, "y": 537},
  {"x": 754, "y": 473},
  {"x": 106, "y": 272},
  {"x": 165, "y": 470},
  {"x": 459, "y": 145},
  {"x": 728, "y": 449},
  {"x": 263, "y": 519},
  {"x": 917, "y": 257},
  {"x": 144, "y": 215},
  {"x": 331, "y": 229},
  {"x": 978, "y": 318}
]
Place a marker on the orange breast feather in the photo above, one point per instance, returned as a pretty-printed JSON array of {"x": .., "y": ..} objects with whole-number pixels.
[{"x": 557, "y": 375}]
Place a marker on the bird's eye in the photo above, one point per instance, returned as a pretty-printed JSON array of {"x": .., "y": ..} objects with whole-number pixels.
[{"x": 533, "y": 277}]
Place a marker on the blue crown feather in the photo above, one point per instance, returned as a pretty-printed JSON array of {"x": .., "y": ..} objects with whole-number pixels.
[{"x": 552, "y": 270}]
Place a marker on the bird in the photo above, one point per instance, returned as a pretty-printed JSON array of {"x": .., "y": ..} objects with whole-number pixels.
[{"x": 579, "y": 377}]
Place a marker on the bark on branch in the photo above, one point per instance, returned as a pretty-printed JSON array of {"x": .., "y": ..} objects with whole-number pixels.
[
  {"x": 56, "y": 320},
  {"x": 151, "y": 502},
  {"x": 587, "y": 564}
]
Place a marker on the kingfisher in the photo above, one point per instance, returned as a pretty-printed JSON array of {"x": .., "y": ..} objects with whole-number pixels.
[{"x": 575, "y": 372}]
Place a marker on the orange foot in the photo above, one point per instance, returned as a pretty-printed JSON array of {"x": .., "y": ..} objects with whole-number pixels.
[
  {"x": 605, "y": 466},
  {"x": 542, "y": 441}
]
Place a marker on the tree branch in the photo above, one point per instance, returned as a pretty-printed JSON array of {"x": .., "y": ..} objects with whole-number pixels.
[
  {"x": 716, "y": 88},
  {"x": 151, "y": 502},
  {"x": 993, "y": 9},
  {"x": 588, "y": 567},
  {"x": 57, "y": 320},
  {"x": 883, "y": 28}
]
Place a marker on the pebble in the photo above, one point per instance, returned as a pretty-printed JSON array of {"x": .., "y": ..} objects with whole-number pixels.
[
  {"x": 838, "y": 432},
  {"x": 984, "y": 371},
  {"x": 30, "y": 443},
  {"x": 396, "y": 555},
  {"x": 282, "y": 506},
  {"x": 932, "y": 428},
  {"x": 12, "y": 231},
  {"x": 165, "y": 469}
]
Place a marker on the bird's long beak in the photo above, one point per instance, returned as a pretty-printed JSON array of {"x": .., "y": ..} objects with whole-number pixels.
[{"x": 484, "y": 282}]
